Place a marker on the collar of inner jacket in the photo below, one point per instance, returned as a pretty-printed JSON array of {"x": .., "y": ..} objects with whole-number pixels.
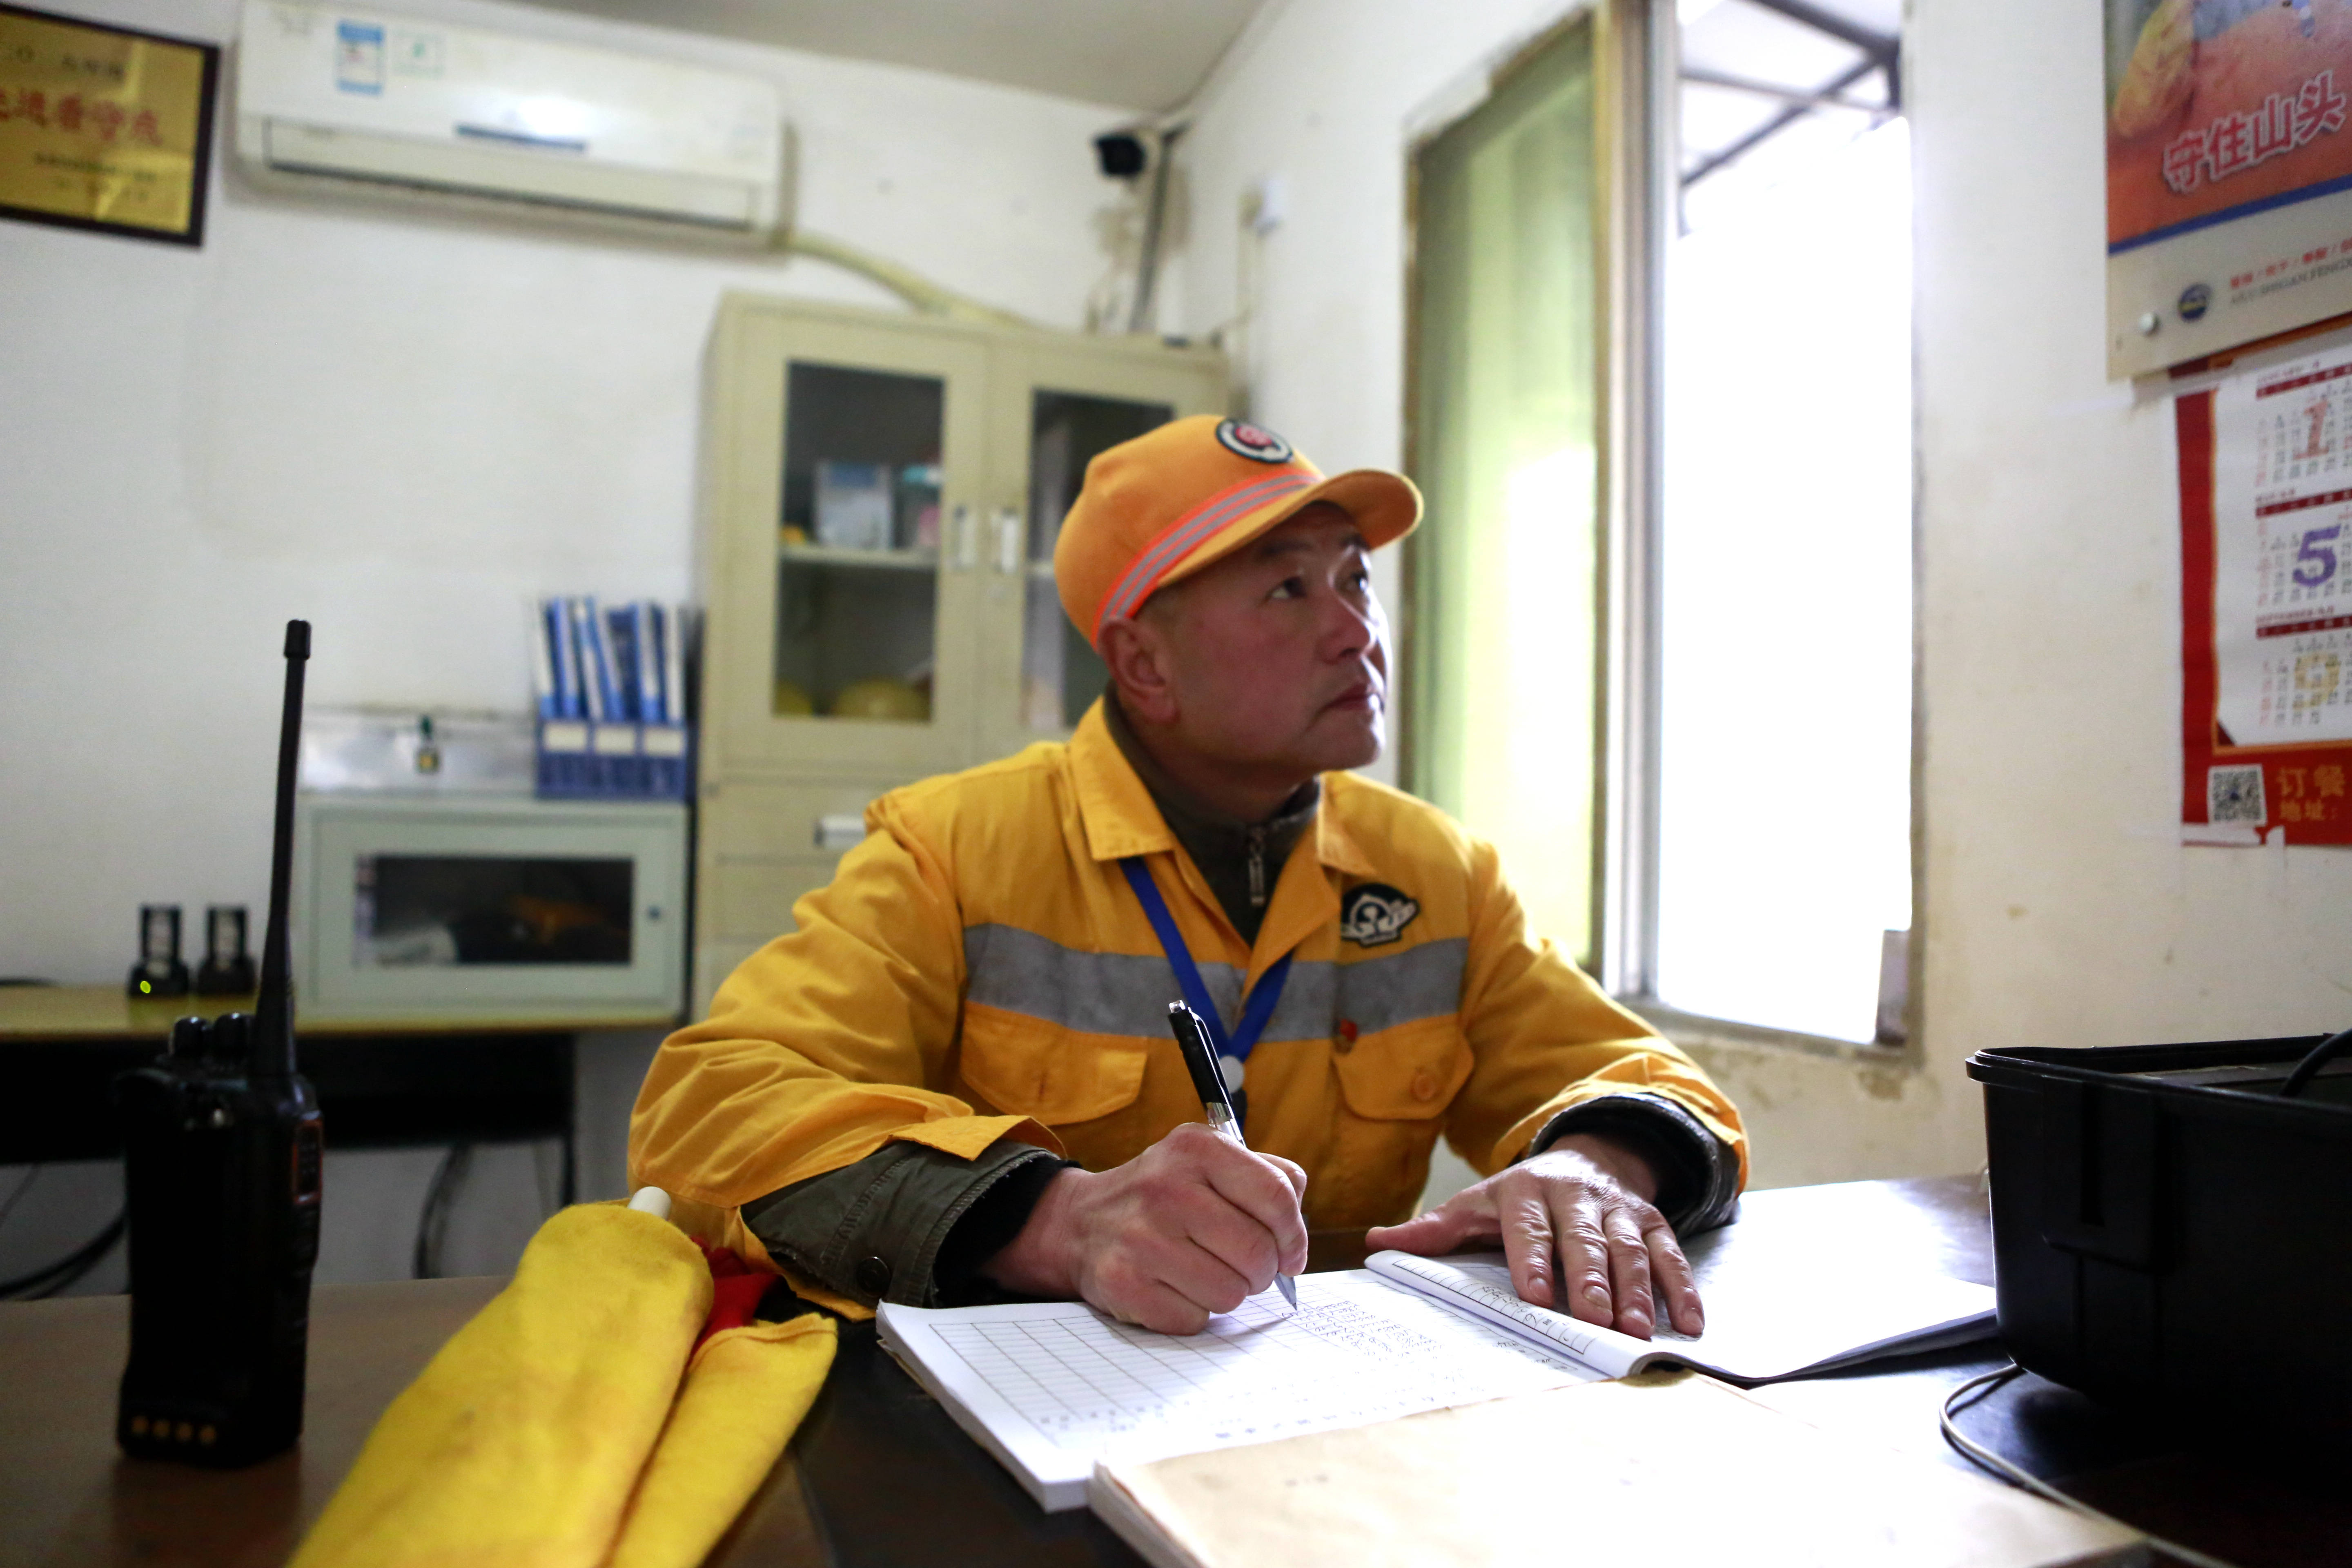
[{"x": 1239, "y": 860}]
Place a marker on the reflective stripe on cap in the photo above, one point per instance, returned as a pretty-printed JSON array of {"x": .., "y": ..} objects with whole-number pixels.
[{"x": 1182, "y": 536}]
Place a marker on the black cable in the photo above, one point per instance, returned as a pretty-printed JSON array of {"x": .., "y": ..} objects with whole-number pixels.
[
  {"x": 423, "y": 1264},
  {"x": 432, "y": 1220},
  {"x": 1147, "y": 266},
  {"x": 32, "y": 1175},
  {"x": 1985, "y": 1459},
  {"x": 55, "y": 1276},
  {"x": 547, "y": 1204},
  {"x": 440, "y": 1200},
  {"x": 2308, "y": 1069}
]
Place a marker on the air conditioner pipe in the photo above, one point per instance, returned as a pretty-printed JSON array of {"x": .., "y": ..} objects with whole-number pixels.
[{"x": 919, "y": 291}]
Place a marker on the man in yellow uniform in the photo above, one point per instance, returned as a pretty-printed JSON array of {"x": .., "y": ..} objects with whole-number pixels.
[{"x": 954, "y": 1079}]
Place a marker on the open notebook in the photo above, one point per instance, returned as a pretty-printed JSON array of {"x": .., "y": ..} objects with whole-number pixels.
[{"x": 1051, "y": 1387}]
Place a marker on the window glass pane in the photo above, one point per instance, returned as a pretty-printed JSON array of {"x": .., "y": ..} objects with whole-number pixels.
[
  {"x": 437, "y": 910},
  {"x": 1061, "y": 674},
  {"x": 1785, "y": 798},
  {"x": 858, "y": 543},
  {"x": 1502, "y": 578}
]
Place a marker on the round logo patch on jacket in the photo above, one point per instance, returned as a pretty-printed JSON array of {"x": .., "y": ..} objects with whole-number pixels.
[
  {"x": 1375, "y": 913},
  {"x": 1245, "y": 440}
]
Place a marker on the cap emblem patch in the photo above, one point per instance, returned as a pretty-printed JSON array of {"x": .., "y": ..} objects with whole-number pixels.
[
  {"x": 1375, "y": 914},
  {"x": 1243, "y": 440}
]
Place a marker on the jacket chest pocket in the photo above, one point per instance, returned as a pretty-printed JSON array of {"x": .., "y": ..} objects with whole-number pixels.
[
  {"x": 1409, "y": 1073},
  {"x": 1057, "y": 1076}
]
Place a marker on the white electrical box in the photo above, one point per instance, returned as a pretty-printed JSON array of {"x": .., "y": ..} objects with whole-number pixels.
[{"x": 495, "y": 911}]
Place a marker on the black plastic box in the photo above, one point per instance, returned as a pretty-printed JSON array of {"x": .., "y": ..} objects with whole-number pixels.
[{"x": 2172, "y": 1236}]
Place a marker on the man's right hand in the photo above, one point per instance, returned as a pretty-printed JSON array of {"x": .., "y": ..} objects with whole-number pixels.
[{"x": 1194, "y": 1225}]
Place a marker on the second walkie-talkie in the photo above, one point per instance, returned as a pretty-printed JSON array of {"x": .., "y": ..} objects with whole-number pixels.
[{"x": 221, "y": 1157}]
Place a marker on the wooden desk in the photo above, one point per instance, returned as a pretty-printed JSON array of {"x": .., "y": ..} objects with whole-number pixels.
[
  {"x": 383, "y": 1082},
  {"x": 108, "y": 1012},
  {"x": 839, "y": 1497}
]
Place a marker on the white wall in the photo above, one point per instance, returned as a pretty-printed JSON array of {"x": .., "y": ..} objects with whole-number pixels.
[
  {"x": 2057, "y": 907},
  {"x": 2060, "y": 909},
  {"x": 400, "y": 427}
]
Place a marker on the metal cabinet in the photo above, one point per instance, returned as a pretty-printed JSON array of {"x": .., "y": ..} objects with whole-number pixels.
[{"x": 880, "y": 499}]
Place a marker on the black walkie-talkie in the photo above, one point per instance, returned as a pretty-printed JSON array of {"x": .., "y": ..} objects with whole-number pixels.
[{"x": 221, "y": 1156}]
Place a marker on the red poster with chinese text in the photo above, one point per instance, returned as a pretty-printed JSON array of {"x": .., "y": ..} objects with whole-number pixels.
[
  {"x": 2221, "y": 106},
  {"x": 2229, "y": 131}
]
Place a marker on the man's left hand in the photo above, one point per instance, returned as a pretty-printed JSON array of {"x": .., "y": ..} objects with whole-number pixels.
[{"x": 1579, "y": 1214}]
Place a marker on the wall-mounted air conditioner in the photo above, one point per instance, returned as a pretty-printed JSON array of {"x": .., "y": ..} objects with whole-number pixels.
[{"x": 396, "y": 103}]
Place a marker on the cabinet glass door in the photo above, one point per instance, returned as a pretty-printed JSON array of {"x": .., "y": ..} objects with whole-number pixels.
[
  {"x": 1071, "y": 406},
  {"x": 848, "y": 565},
  {"x": 1061, "y": 674},
  {"x": 857, "y": 571}
]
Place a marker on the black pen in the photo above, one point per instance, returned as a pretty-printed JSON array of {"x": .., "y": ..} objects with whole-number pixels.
[{"x": 1192, "y": 1039}]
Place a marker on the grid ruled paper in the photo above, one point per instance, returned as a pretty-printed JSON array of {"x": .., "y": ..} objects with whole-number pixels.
[{"x": 1051, "y": 1387}]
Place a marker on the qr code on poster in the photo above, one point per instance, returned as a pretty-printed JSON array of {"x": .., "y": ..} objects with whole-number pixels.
[{"x": 2235, "y": 794}]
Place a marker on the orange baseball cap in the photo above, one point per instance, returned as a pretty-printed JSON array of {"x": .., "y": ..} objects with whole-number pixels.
[{"x": 1160, "y": 508}]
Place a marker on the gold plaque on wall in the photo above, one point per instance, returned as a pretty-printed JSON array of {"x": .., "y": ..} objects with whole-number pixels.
[{"x": 104, "y": 128}]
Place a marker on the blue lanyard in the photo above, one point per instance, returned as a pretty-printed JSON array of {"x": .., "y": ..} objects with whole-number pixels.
[{"x": 1254, "y": 1013}]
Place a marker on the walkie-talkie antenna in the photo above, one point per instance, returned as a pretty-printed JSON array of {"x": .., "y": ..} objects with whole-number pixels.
[{"x": 273, "y": 1034}]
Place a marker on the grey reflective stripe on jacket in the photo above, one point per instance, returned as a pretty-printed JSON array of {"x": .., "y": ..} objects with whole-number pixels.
[
  {"x": 873, "y": 1230},
  {"x": 1122, "y": 994}
]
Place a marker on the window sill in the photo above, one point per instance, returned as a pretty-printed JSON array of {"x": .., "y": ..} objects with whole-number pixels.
[{"x": 1689, "y": 1029}]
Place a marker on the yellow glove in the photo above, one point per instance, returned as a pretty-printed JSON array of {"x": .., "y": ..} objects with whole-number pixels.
[
  {"x": 746, "y": 1390},
  {"x": 521, "y": 1444}
]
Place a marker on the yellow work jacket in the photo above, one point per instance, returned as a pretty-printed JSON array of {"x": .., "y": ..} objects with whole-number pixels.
[{"x": 979, "y": 968}]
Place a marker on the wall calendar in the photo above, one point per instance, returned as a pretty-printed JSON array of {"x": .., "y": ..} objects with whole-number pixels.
[{"x": 2266, "y": 600}]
